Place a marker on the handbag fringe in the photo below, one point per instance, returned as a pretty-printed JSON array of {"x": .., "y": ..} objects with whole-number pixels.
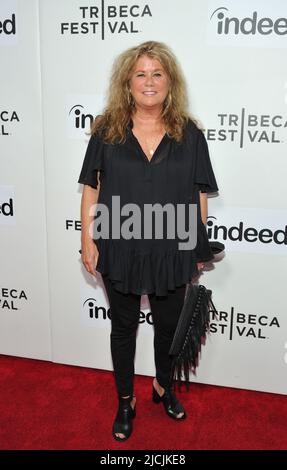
[{"x": 187, "y": 358}]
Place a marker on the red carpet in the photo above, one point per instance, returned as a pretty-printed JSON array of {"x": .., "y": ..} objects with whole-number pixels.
[{"x": 51, "y": 406}]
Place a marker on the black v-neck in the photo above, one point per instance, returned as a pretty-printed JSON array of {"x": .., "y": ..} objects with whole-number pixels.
[{"x": 156, "y": 150}]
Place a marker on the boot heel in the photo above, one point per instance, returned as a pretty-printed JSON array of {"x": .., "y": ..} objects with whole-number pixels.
[{"x": 156, "y": 398}]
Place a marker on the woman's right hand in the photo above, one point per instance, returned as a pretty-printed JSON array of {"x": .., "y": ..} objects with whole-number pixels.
[{"x": 90, "y": 256}]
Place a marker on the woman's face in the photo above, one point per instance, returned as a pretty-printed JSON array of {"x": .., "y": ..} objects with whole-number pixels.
[{"x": 149, "y": 83}]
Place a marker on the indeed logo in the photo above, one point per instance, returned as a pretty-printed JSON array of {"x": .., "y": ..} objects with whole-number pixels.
[
  {"x": 8, "y": 26},
  {"x": 250, "y": 25},
  {"x": 242, "y": 233},
  {"x": 80, "y": 119},
  {"x": 7, "y": 200},
  {"x": 98, "y": 312},
  {"x": 94, "y": 311},
  {"x": 81, "y": 110},
  {"x": 6, "y": 208}
]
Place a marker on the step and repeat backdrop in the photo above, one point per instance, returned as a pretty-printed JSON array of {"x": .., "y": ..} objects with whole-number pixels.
[
  {"x": 56, "y": 59},
  {"x": 25, "y": 328}
]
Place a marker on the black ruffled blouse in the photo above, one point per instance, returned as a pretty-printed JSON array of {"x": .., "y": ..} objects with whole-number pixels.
[{"x": 175, "y": 174}]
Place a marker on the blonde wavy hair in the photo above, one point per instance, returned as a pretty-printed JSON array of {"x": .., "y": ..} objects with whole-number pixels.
[{"x": 120, "y": 106}]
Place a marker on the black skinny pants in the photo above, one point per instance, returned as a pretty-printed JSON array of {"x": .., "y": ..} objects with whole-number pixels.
[{"x": 125, "y": 313}]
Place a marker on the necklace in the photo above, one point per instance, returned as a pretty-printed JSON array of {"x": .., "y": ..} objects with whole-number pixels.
[{"x": 151, "y": 144}]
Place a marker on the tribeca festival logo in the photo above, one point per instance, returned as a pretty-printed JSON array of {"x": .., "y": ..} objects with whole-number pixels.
[
  {"x": 243, "y": 325},
  {"x": 107, "y": 18},
  {"x": 243, "y": 127},
  {"x": 8, "y": 119},
  {"x": 11, "y": 298}
]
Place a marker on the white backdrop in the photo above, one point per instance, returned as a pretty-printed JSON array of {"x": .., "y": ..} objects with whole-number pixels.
[
  {"x": 24, "y": 301},
  {"x": 236, "y": 77}
]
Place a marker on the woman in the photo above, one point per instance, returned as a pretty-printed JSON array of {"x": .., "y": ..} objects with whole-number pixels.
[{"x": 145, "y": 150}]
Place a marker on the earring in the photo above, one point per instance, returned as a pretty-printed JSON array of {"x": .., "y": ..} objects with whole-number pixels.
[
  {"x": 167, "y": 102},
  {"x": 130, "y": 98}
]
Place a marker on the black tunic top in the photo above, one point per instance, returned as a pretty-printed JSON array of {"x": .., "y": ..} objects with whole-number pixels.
[{"x": 175, "y": 174}]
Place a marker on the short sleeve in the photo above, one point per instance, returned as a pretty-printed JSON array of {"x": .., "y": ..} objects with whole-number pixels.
[
  {"x": 93, "y": 162},
  {"x": 204, "y": 176}
]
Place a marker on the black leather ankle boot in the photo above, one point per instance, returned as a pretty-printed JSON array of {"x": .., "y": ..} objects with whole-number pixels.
[
  {"x": 123, "y": 423},
  {"x": 171, "y": 404}
]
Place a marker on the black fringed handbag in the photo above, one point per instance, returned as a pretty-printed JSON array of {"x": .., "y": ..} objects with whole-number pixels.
[{"x": 191, "y": 329}]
